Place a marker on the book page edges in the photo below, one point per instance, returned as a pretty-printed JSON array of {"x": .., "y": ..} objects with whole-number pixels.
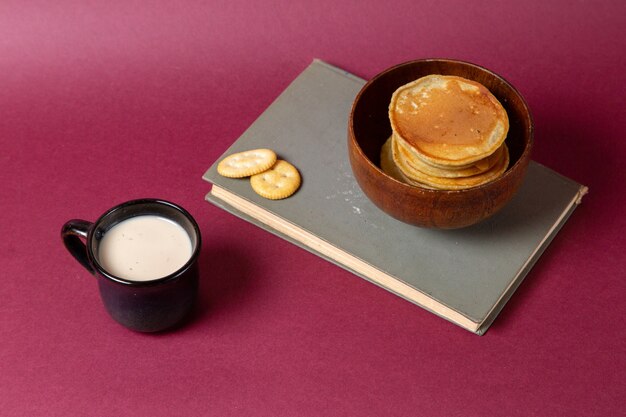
[
  {"x": 582, "y": 191},
  {"x": 343, "y": 258}
]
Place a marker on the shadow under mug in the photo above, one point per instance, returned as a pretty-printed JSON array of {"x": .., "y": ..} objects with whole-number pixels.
[{"x": 145, "y": 306}]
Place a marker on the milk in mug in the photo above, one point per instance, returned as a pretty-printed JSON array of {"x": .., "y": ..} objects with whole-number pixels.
[{"x": 144, "y": 248}]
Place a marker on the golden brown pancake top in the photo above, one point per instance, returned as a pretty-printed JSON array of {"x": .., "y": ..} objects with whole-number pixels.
[{"x": 451, "y": 115}]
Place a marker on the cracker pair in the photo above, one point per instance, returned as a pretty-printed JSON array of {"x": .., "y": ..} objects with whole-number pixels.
[{"x": 270, "y": 177}]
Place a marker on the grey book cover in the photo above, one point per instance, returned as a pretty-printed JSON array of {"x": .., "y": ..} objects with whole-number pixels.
[{"x": 465, "y": 276}]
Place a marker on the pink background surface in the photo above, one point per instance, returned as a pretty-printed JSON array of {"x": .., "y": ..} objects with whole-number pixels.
[{"x": 102, "y": 102}]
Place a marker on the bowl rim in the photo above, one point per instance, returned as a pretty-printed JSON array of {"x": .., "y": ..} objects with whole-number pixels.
[{"x": 521, "y": 160}]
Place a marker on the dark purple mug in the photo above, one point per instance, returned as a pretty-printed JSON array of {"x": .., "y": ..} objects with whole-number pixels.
[{"x": 145, "y": 306}]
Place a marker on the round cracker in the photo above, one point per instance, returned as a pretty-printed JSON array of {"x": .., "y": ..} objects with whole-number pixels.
[
  {"x": 278, "y": 182},
  {"x": 246, "y": 163}
]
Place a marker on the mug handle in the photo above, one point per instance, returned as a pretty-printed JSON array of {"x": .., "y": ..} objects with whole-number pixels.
[{"x": 73, "y": 233}]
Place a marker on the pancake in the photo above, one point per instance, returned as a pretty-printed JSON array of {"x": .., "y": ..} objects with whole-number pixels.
[
  {"x": 390, "y": 168},
  {"x": 475, "y": 168},
  {"x": 447, "y": 121},
  {"x": 457, "y": 183},
  {"x": 387, "y": 164}
]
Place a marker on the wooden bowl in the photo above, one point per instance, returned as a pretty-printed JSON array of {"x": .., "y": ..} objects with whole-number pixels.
[{"x": 369, "y": 128}]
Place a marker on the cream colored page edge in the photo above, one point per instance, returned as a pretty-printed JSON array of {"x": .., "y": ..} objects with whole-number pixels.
[{"x": 342, "y": 257}]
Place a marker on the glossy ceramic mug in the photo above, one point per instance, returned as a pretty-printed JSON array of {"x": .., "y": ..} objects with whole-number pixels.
[{"x": 149, "y": 305}]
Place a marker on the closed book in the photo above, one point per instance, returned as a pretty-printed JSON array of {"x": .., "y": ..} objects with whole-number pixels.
[{"x": 465, "y": 276}]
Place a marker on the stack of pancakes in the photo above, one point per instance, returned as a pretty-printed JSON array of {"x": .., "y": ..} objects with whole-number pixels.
[{"x": 447, "y": 133}]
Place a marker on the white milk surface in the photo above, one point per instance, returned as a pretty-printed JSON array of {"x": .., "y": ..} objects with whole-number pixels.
[{"x": 144, "y": 248}]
